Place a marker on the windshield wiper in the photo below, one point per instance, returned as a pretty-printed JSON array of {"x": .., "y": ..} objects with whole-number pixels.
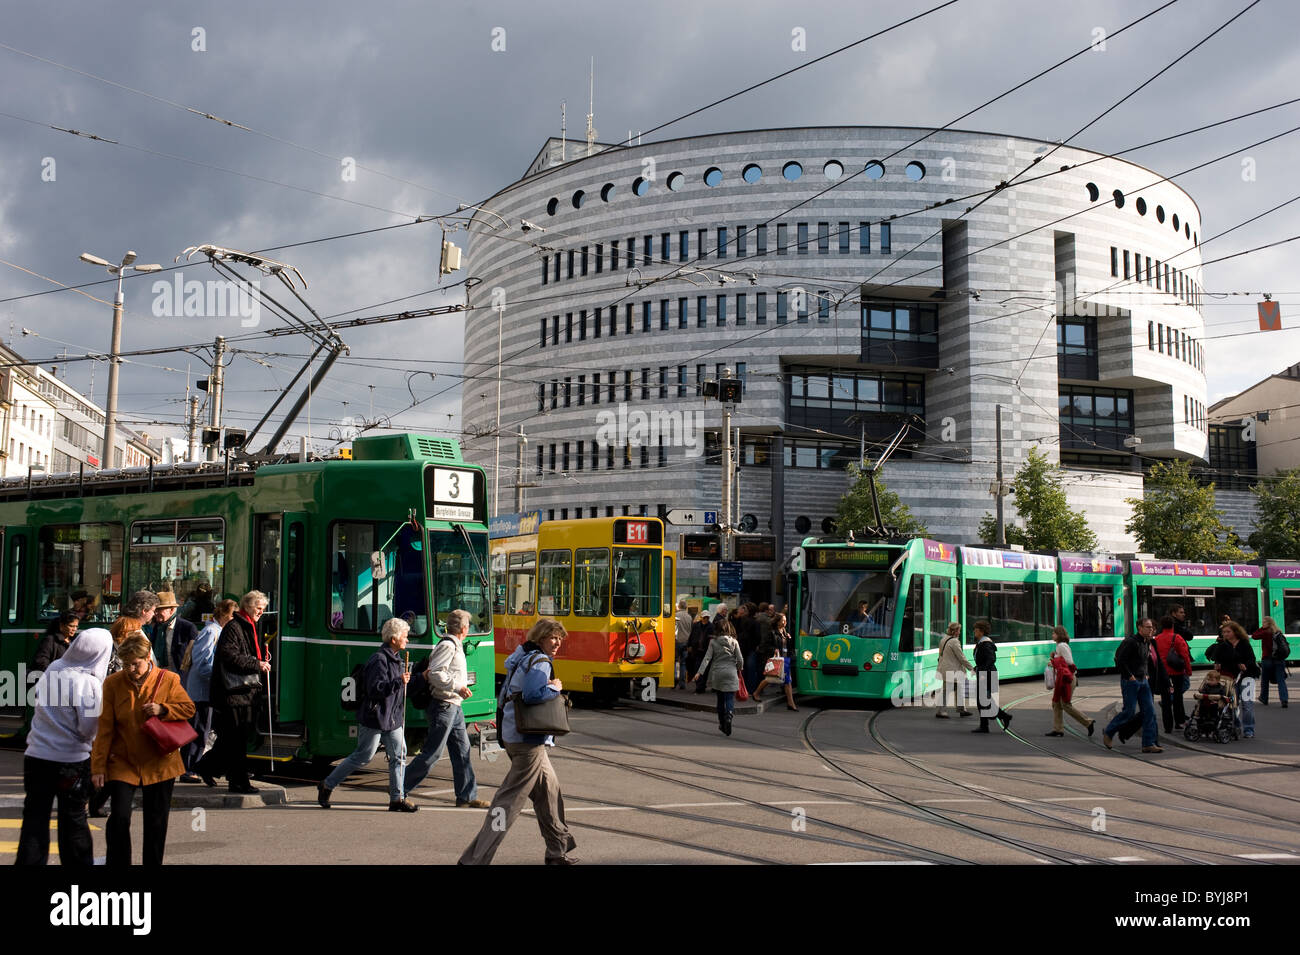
[{"x": 469, "y": 543}]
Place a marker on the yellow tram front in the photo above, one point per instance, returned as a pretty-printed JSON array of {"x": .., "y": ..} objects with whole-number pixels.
[{"x": 607, "y": 579}]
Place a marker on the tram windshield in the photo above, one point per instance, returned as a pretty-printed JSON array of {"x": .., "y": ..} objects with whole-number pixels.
[
  {"x": 636, "y": 583},
  {"x": 861, "y": 604},
  {"x": 459, "y": 577}
]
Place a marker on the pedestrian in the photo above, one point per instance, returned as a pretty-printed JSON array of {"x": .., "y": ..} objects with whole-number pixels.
[
  {"x": 380, "y": 719},
  {"x": 56, "y": 640},
  {"x": 530, "y": 679},
  {"x": 1237, "y": 659},
  {"x": 236, "y": 693},
  {"x": 725, "y": 664},
  {"x": 745, "y": 630},
  {"x": 1272, "y": 660},
  {"x": 172, "y": 633},
  {"x": 697, "y": 646},
  {"x": 779, "y": 646},
  {"x": 56, "y": 765},
  {"x": 125, "y": 757},
  {"x": 1172, "y": 649},
  {"x": 136, "y": 612},
  {"x": 683, "y": 620},
  {"x": 1062, "y": 661},
  {"x": 447, "y": 674},
  {"x": 986, "y": 679},
  {"x": 952, "y": 668},
  {"x": 1132, "y": 660},
  {"x": 1181, "y": 626},
  {"x": 196, "y": 670}
]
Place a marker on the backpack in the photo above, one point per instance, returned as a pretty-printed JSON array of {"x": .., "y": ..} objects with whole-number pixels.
[
  {"x": 419, "y": 692},
  {"x": 1281, "y": 649},
  {"x": 1174, "y": 661},
  {"x": 358, "y": 678}
]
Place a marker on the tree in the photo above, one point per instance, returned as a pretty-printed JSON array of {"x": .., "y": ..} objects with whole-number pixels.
[
  {"x": 1050, "y": 523},
  {"x": 854, "y": 511},
  {"x": 1277, "y": 528},
  {"x": 1176, "y": 518}
]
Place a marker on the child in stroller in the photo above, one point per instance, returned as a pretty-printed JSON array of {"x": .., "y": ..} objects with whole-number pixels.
[{"x": 1215, "y": 716}]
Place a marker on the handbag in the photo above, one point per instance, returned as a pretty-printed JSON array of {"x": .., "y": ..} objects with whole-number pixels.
[
  {"x": 234, "y": 682},
  {"x": 1049, "y": 676},
  {"x": 774, "y": 669},
  {"x": 548, "y": 718},
  {"x": 168, "y": 735}
]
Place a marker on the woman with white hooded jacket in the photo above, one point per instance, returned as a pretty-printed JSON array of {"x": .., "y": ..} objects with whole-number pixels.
[{"x": 56, "y": 766}]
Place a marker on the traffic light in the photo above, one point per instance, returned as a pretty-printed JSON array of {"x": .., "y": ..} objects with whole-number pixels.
[
  {"x": 210, "y": 436},
  {"x": 729, "y": 390}
]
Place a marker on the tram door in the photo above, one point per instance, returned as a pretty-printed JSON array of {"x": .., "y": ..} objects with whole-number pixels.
[
  {"x": 292, "y": 617},
  {"x": 15, "y": 648},
  {"x": 266, "y": 578}
]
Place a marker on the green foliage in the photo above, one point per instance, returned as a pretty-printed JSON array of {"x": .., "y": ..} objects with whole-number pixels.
[
  {"x": 854, "y": 511},
  {"x": 1176, "y": 518},
  {"x": 1050, "y": 524},
  {"x": 1277, "y": 528}
]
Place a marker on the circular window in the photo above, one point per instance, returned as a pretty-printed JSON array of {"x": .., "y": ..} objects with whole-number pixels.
[
  {"x": 915, "y": 171},
  {"x": 713, "y": 177},
  {"x": 802, "y": 524},
  {"x": 792, "y": 170},
  {"x": 1160, "y": 214},
  {"x": 1141, "y": 206},
  {"x": 1187, "y": 230},
  {"x": 874, "y": 169},
  {"x": 1119, "y": 199},
  {"x": 640, "y": 186},
  {"x": 1093, "y": 192},
  {"x": 1175, "y": 221},
  {"x": 675, "y": 181},
  {"x": 578, "y": 198},
  {"x": 753, "y": 172},
  {"x": 552, "y": 206},
  {"x": 607, "y": 192},
  {"x": 833, "y": 170}
]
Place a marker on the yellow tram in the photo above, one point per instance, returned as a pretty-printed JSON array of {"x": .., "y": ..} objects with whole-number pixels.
[{"x": 607, "y": 579}]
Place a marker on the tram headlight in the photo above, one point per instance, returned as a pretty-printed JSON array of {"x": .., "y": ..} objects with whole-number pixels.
[
  {"x": 807, "y": 655},
  {"x": 877, "y": 658}
]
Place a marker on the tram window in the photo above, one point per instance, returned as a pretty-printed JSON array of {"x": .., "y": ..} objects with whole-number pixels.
[
  {"x": 591, "y": 582},
  {"x": 81, "y": 568},
  {"x": 293, "y": 598},
  {"x": 669, "y": 583},
  {"x": 1017, "y": 611},
  {"x": 459, "y": 582},
  {"x": 521, "y": 583},
  {"x": 636, "y": 583},
  {"x": 941, "y": 612},
  {"x": 180, "y": 556},
  {"x": 17, "y": 576},
  {"x": 499, "y": 582},
  {"x": 1205, "y": 606},
  {"x": 554, "y": 580},
  {"x": 1290, "y": 621},
  {"x": 369, "y": 585},
  {"x": 912, "y": 633},
  {"x": 1094, "y": 612}
]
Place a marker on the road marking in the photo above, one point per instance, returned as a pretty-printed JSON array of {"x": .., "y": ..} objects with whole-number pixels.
[
  {"x": 1268, "y": 855},
  {"x": 18, "y": 824},
  {"x": 882, "y": 862},
  {"x": 1126, "y": 859},
  {"x": 11, "y": 848},
  {"x": 1081, "y": 799}
]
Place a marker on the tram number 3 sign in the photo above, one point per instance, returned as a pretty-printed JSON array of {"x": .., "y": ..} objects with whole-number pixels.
[{"x": 453, "y": 495}]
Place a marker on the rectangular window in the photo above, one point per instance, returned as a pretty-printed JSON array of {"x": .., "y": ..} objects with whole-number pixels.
[
  {"x": 83, "y": 562},
  {"x": 627, "y": 319},
  {"x": 543, "y": 332},
  {"x": 701, "y": 311},
  {"x": 801, "y": 237},
  {"x": 541, "y": 397},
  {"x": 684, "y": 246},
  {"x": 760, "y": 308},
  {"x": 681, "y": 313},
  {"x": 627, "y": 385},
  {"x": 645, "y": 316},
  {"x": 741, "y": 373},
  {"x": 568, "y": 327},
  {"x": 760, "y": 239},
  {"x": 1148, "y": 278},
  {"x": 663, "y": 453},
  {"x": 801, "y": 306},
  {"x": 554, "y": 581},
  {"x": 782, "y": 308},
  {"x": 582, "y": 325},
  {"x": 1151, "y": 336},
  {"x": 824, "y": 305},
  {"x": 568, "y": 391},
  {"x": 845, "y": 235},
  {"x": 541, "y": 459},
  {"x": 555, "y": 393},
  {"x": 521, "y": 583},
  {"x": 722, "y": 242},
  {"x": 645, "y": 455},
  {"x": 555, "y": 329},
  {"x": 741, "y": 316},
  {"x": 700, "y": 372},
  {"x": 823, "y": 238},
  {"x": 631, "y": 251},
  {"x": 1114, "y": 262},
  {"x": 885, "y": 240},
  {"x": 609, "y": 458},
  {"x": 584, "y": 259},
  {"x": 557, "y": 267},
  {"x": 595, "y": 323},
  {"x": 546, "y": 271},
  {"x": 569, "y": 268},
  {"x": 564, "y": 456},
  {"x": 595, "y": 388},
  {"x": 582, "y": 390},
  {"x": 722, "y": 311},
  {"x": 681, "y": 381},
  {"x": 665, "y": 246},
  {"x": 613, "y": 255},
  {"x": 591, "y": 582},
  {"x": 647, "y": 249},
  {"x": 645, "y": 384},
  {"x": 600, "y": 257},
  {"x": 702, "y": 250},
  {"x": 663, "y": 381},
  {"x": 362, "y": 598},
  {"x": 613, "y": 386},
  {"x": 742, "y": 243},
  {"x": 782, "y": 238},
  {"x": 1126, "y": 265},
  {"x": 864, "y": 237}
]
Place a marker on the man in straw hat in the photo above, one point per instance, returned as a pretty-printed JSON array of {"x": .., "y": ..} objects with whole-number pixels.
[{"x": 171, "y": 634}]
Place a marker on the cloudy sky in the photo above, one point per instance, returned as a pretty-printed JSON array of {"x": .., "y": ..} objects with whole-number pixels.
[{"x": 367, "y": 116}]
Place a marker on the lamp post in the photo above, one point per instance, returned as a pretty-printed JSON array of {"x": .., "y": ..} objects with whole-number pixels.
[{"x": 110, "y": 406}]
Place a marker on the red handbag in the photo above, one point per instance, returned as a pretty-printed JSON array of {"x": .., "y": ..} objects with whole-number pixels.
[{"x": 168, "y": 735}]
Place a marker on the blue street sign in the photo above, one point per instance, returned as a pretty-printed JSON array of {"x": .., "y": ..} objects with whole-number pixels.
[
  {"x": 710, "y": 517},
  {"x": 730, "y": 575}
]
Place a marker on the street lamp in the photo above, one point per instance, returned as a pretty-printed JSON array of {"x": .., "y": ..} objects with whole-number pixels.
[{"x": 110, "y": 406}]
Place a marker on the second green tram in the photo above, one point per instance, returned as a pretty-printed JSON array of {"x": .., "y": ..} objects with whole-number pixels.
[{"x": 338, "y": 547}]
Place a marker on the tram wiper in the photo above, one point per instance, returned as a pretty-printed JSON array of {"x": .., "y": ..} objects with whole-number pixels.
[{"x": 469, "y": 543}]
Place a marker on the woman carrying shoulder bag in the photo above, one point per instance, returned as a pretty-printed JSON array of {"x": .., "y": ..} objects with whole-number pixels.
[{"x": 953, "y": 667}]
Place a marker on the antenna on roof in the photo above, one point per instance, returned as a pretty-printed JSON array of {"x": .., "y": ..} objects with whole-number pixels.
[
  {"x": 563, "y": 132},
  {"x": 591, "y": 107}
]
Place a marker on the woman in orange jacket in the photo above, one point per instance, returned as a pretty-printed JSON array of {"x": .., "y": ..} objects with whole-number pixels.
[{"x": 125, "y": 756}]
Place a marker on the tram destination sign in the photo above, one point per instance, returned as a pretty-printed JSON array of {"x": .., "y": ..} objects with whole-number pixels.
[
  {"x": 453, "y": 494},
  {"x": 852, "y": 558}
]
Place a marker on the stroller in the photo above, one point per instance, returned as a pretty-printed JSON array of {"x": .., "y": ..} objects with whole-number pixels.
[{"x": 1212, "y": 721}]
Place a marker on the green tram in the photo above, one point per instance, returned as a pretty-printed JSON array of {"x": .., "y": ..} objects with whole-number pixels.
[
  {"x": 338, "y": 546},
  {"x": 869, "y": 616}
]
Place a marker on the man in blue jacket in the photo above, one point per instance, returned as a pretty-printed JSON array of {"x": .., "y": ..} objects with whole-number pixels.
[
  {"x": 380, "y": 717},
  {"x": 1131, "y": 659}
]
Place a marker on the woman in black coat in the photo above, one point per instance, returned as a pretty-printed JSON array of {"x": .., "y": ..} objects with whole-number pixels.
[
  {"x": 1236, "y": 659},
  {"x": 235, "y": 696},
  {"x": 986, "y": 679}
]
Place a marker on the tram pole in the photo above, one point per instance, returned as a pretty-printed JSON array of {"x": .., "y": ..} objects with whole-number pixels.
[
  {"x": 998, "y": 491},
  {"x": 214, "y": 398}
]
